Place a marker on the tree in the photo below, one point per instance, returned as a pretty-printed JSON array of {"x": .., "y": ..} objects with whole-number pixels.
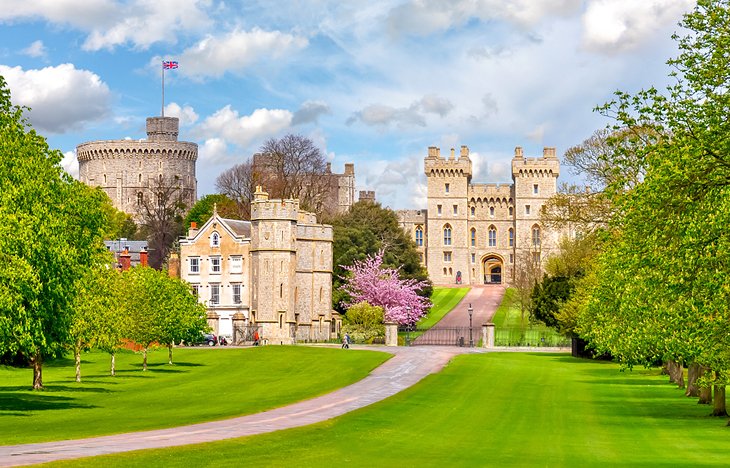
[
  {"x": 202, "y": 210},
  {"x": 50, "y": 235},
  {"x": 664, "y": 269},
  {"x": 364, "y": 322},
  {"x": 239, "y": 184},
  {"x": 161, "y": 310},
  {"x": 112, "y": 319},
  {"x": 366, "y": 229},
  {"x": 120, "y": 225},
  {"x": 372, "y": 282},
  {"x": 161, "y": 215}
]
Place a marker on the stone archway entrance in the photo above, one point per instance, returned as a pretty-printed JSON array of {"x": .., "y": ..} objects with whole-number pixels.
[{"x": 492, "y": 267}]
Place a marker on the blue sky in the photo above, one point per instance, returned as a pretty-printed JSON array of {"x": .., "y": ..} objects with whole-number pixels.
[{"x": 371, "y": 82}]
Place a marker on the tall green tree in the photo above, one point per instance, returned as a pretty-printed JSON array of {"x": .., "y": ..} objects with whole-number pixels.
[
  {"x": 203, "y": 209},
  {"x": 50, "y": 235}
]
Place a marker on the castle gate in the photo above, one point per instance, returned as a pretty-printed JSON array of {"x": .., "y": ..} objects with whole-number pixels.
[{"x": 492, "y": 266}]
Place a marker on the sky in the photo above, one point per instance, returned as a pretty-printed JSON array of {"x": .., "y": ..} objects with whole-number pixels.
[{"x": 371, "y": 82}]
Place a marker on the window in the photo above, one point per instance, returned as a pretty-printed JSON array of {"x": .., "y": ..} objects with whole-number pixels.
[
  {"x": 438, "y": 207},
  {"x": 236, "y": 291},
  {"x": 473, "y": 211},
  {"x": 511, "y": 211},
  {"x": 215, "y": 264},
  {"x": 140, "y": 198},
  {"x": 456, "y": 209},
  {"x": 511, "y": 237},
  {"x": 139, "y": 179},
  {"x": 536, "y": 257},
  {"x": 447, "y": 256},
  {"x": 511, "y": 258},
  {"x": 194, "y": 265},
  {"x": 491, "y": 211},
  {"x": 473, "y": 258},
  {"x": 215, "y": 294},
  {"x": 196, "y": 290},
  {"x": 527, "y": 209},
  {"x": 447, "y": 235},
  {"x": 446, "y": 188},
  {"x": 536, "y": 236},
  {"x": 419, "y": 236},
  {"x": 535, "y": 189},
  {"x": 236, "y": 264},
  {"x": 492, "y": 236},
  {"x": 473, "y": 237},
  {"x": 215, "y": 240}
]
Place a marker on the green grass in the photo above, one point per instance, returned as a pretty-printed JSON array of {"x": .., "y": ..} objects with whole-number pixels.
[
  {"x": 513, "y": 327},
  {"x": 444, "y": 300},
  {"x": 499, "y": 409},
  {"x": 204, "y": 384}
]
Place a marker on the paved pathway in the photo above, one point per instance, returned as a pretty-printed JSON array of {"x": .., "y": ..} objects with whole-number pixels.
[
  {"x": 484, "y": 301},
  {"x": 407, "y": 367}
]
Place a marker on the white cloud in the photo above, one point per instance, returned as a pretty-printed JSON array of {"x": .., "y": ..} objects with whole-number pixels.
[
  {"x": 36, "y": 49},
  {"x": 616, "y": 25},
  {"x": 225, "y": 123},
  {"x": 235, "y": 51},
  {"x": 79, "y": 13},
  {"x": 186, "y": 114},
  {"x": 61, "y": 98},
  {"x": 213, "y": 151},
  {"x": 70, "y": 164}
]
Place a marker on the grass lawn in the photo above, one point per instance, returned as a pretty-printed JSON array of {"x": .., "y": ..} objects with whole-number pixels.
[
  {"x": 512, "y": 328},
  {"x": 204, "y": 384},
  {"x": 444, "y": 300},
  {"x": 499, "y": 409}
]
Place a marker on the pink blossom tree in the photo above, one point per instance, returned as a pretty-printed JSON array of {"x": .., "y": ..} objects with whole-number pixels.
[{"x": 380, "y": 286}]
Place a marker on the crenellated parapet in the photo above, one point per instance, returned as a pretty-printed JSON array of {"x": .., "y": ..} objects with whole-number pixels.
[
  {"x": 436, "y": 166},
  {"x": 133, "y": 149},
  {"x": 491, "y": 193},
  {"x": 546, "y": 166}
]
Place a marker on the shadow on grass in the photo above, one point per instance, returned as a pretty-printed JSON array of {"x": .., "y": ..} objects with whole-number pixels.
[
  {"x": 18, "y": 404},
  {"x": 76, "y": 388}
]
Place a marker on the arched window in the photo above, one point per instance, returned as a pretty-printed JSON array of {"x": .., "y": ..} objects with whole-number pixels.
[
  {"x": 473, "y": 237},
  {"x": 447, "y": 234},
  {"x": 419, "y": 236},
  {"x": 473, "y": 210},
  {"x": 511, "y": 211},
  {"x": 536, "y": 235},
  {"x": 215, "y": 240},
  {"x": 492, "y": 236},
  {"x": 491, "y": 211},
  {"x": 511, "y": 237}
]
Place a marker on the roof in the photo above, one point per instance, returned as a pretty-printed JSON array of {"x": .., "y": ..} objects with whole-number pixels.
[
  {"x": 239, "y": 227},
  {"x": 118, "y": 245}
]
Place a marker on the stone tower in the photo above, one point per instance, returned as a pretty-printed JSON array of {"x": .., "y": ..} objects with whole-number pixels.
[
  {"x": 127, "y": 169},
  {"x": 448, "y": 185},
  {"x": 273, "y": 266}
]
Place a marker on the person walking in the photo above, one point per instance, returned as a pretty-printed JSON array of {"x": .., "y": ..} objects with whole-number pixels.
[{"x": 346, "y": 341}]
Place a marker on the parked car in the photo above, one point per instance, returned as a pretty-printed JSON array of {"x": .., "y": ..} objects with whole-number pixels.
[{"x": 207, "y": 339}]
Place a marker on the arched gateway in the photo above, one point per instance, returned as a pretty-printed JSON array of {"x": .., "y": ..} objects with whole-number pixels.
[{"x": 492, "y": 266}]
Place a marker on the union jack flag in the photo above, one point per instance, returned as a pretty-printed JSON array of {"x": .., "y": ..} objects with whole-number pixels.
[{"x": 169, "y": 65}]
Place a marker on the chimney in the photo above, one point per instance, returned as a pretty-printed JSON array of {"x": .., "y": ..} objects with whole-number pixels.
[
  {"x": 464, "y": 152},
  {"x": 193, "y": 229},
  {"x": 452, "y": 154},
  {"x": 433, "y": 152},
  {"x": 518, "y": 152},
  {"x": 125, "y": 260},
  {"x": 329, "y": 168},
  {"x": 173, "y": 265},
  {"x": 349, "y": 169},
  {"x": 143, "y": 256},
  {"x": 548, "y": 152}
]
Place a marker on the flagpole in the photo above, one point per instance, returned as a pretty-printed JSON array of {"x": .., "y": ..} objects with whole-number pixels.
[{"x": 163, "y": 90}]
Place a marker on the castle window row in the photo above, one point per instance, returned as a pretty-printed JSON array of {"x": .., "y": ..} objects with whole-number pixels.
[
  {"x": 491, "y": 236},
  {"x": 235, "y": 265},
  {"x": 214, "y": 295},
  {"x": 473, "y": 211}
]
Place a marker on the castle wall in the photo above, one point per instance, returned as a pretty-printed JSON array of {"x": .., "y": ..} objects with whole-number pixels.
[{"x": 124, "y": 169}]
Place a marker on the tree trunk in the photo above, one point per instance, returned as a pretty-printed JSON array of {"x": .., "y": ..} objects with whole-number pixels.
[
  {"x": 77, "y": 357},
  {"x": 693, "y": 372},
  {"x": 37, "y": 372},
  {"x": 169, "y": 353},
  {"x": 113, "y": 367},
  {"x": 678, "y": 374},
  {"x": 719, "y": 401},
  {"x": 705, "y": 392},
  {"x": 144, "y": 359}
]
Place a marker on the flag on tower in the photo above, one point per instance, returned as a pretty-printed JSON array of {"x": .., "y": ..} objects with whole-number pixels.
[{"x": 169, "y": 65}]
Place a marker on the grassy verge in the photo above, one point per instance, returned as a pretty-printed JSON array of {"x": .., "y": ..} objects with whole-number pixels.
[
  {"x": 444, "y": 300},
  {"x": 513, "y": 327},
  {"x": 495, "y": 409},
  {"x": 203, "y": 385}
]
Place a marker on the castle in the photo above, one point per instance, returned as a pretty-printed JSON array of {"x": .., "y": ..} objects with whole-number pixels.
[
  {"x": 129, "y": 170},
  {"x": 273, "y": 272},
  {"x": 482, "y": 233}
]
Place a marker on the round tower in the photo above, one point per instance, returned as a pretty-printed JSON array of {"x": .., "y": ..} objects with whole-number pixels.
[{"x": 127, "y": 169}]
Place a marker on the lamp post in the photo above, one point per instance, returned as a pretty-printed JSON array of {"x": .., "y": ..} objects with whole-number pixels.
[
  {"x": 471, "y": 336},
  {"x": 408, "y": 328}
]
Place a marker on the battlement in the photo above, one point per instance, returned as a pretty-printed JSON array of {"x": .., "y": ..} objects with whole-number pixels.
[
  {"x": 366, "y": 195},
  {"x": 435, "y": 165},
  {"x": 264, "y": 209},
  {"x": 162, "y": 128},
  {"x": 547, "y": 165}
]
